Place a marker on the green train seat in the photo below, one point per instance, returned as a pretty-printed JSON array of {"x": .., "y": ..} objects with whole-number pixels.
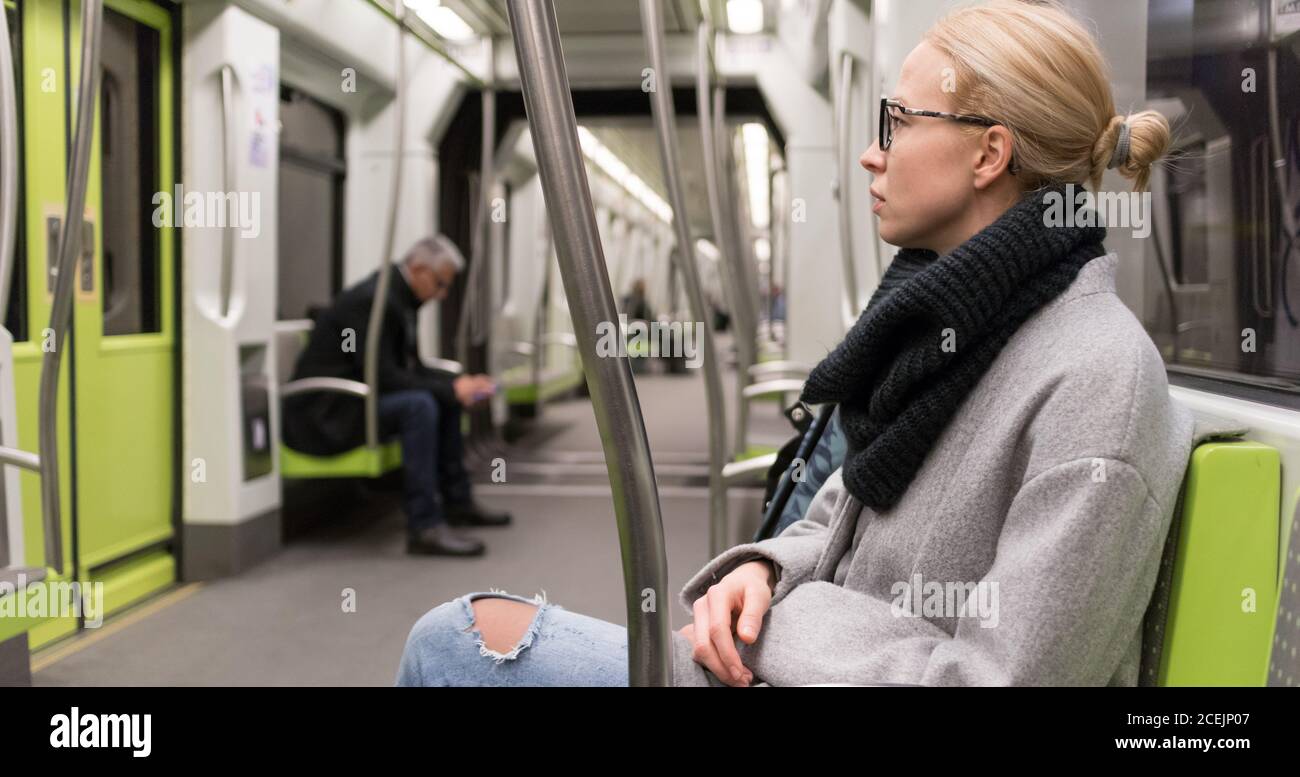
[
  {"x": 360, "y": 462},
  {"x": 1210, "y": 620}
]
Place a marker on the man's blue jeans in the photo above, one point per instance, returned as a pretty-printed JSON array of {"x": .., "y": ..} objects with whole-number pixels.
[{"x": 433, "y": 466}]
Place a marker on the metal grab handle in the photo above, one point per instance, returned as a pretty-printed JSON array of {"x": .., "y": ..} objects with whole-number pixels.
[
  {"x": 843, "y": 100},
  {"x": 332, "y": 385},
  {"x": 92, "y": 20},
  {"x": 1260, "y": 188},
  {"x": 549, "y": 106},
  {"x": 20, "y": 458},
  {"x": 8, "y": 165},
  {"x": 765, "y": 369},
  {"x": 228, "y": 173},
  {"x": 752, "y": 470},
  {"x": 1278, "y": 164},
  {"x": 772, "y": 388},
  {"x": 375, "y": 325}
]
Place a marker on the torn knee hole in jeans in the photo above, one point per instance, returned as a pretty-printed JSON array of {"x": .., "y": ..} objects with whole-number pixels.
[{"x": 524, "y": 641}]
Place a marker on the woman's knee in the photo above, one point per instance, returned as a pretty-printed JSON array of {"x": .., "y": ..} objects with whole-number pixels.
[
  {"x": 440, "y": 644},
  {"x": 502, "y": 623}
]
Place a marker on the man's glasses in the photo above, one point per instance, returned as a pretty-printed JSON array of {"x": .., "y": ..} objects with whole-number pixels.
[{"x": 888, "y": 117}]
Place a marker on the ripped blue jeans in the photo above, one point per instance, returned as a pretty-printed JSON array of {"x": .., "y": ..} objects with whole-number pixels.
[{"x": 559, "y": 648}]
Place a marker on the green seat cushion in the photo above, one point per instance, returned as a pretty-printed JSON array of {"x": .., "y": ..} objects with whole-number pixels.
[{"x": 360, "y": 462}]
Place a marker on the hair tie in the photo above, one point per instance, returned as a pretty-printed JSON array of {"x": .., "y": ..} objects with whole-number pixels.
[{"x": 1120, "y": 157}]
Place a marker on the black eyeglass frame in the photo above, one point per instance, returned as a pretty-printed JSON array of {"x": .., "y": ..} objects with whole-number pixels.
[
  {"x": 885, "y": 134},
  {"x": 885, "y": 131}
]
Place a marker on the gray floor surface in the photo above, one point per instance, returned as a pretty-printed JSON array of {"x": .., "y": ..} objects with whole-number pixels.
[{"x": 283, "y": 622}]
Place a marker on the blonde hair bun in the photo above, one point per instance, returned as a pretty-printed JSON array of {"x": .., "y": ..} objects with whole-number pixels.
[{"x": 1035, "y": 68}]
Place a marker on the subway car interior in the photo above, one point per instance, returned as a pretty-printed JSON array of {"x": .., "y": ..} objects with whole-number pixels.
[{"x": 658, "y": 226}]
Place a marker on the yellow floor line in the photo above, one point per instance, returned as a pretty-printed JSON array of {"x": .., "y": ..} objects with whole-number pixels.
[{"x": 45, "y": 660}]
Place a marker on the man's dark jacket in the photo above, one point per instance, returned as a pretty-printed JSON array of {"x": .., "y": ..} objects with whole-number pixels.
[{"x": 326, "y": 423}]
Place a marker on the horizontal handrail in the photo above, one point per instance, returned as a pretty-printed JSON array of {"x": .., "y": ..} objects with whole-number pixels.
[
  {"x": 750, "y": 470},
  {"x": 770, "y": 387},
  {"x": 334, "y": 385},
  {"x": 20, "y": 458},
  {"x": 765, "y": 369}
]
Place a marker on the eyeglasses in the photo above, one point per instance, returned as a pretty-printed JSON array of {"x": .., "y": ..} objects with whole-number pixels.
[{"x": 887, "y": 119}]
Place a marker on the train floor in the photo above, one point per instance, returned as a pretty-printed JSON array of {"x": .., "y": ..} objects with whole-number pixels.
[{"x": 284, "y": 622}]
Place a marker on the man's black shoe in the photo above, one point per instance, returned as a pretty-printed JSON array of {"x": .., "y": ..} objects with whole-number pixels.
[
  {"x": 474, "y": 514},
  {"x": 441, "y": 541}
]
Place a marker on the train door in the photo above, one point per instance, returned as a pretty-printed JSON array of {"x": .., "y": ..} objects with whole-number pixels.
[{"x": 124, "y": 320}]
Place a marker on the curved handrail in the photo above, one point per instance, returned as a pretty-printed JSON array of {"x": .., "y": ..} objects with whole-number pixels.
[
  {"x": 843, "y": 100},
  {"x": 228, "y": 174},
  {"x": 773, "y": 387},
  {"x": 92, "y": 20},
  {"x": 333, "y": 385},
  {"x": 549, "y": 106},
  {"x": 375, "y": 324},
  {"x": 764, "y": 369}
]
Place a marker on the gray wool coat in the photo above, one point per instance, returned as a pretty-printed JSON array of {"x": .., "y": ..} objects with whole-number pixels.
[{"x": 1026, "y": 549}]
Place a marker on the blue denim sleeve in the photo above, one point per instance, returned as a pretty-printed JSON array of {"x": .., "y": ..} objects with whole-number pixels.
[{"x": 826, "y": 458}]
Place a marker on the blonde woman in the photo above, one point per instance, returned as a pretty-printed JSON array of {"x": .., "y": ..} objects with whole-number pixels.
[{"x": 1013, "y": 453}]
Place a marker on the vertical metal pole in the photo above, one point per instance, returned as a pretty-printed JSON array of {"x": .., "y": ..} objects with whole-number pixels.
[
  {"x": 586, "y": 282},
  {"x": 92, "y": 19},
  {"x": 844, "y": 168},
  {"x": 375, "y": 324},
  {"x": 8, "y": 229},
  {"x": 8, "y": 164},
  {"x": 471, "y": 325},
  {"x": 661, "y": 103},
  {"x": 717, "y": 211},
  {"x": 744, "y": 316}
]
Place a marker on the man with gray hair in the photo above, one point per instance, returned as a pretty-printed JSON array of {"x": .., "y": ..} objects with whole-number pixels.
[{"x": 417, "y": 404}]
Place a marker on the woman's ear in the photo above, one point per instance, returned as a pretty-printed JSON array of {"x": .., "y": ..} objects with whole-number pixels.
[{"x": 994, "y": 157}]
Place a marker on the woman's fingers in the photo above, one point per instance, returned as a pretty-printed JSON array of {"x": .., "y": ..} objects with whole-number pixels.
[
  {"x": 705, "y": 654},
  {"x": 757, "y": 598},
  {"x": 723, "y": 602}
]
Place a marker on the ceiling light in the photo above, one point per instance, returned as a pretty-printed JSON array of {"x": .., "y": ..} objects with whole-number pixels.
[
  {"x": 444, "y": 21},
  {"x": 757, "y": 161},
  {"x": 745, "y": 17},
  {"x": 609, "y": 164}
]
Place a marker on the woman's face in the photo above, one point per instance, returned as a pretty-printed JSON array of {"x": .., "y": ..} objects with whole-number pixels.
[{"x": 924, "y": 183}]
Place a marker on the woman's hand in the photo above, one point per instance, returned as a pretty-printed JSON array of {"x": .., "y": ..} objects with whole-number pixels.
[{"x": 743, "y": 595}]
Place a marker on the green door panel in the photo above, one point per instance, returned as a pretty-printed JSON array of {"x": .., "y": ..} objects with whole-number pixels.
[{"x": 124, "y": 382}]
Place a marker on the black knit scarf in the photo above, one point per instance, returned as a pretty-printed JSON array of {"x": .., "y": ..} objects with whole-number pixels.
[{"x": 930, "y": 332}]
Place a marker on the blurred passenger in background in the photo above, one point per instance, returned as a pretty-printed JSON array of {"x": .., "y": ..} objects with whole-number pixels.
[{"x": 417, "y": 404}]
